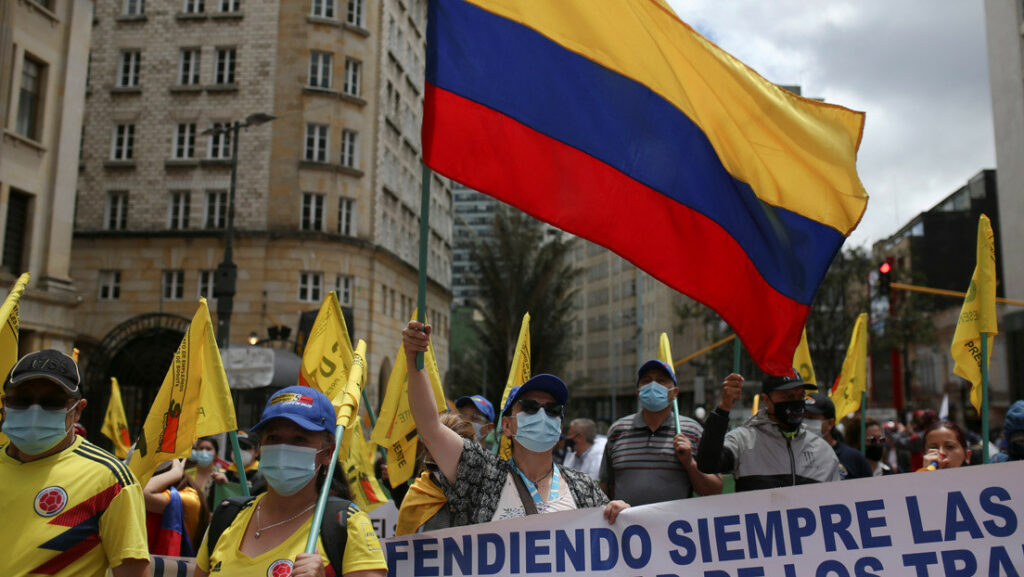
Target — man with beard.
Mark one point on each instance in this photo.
(772, 448)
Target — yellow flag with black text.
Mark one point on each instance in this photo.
(193, 401)
(328, 356)
(852, 381)
(518, 374)
(9, 333)
(978, 314)
(802, 361)
(396, 429)
(115, 424)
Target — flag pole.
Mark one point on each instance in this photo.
(737, 346)
(349, 410)
(237, 451)
(421, 294)
(984, 398)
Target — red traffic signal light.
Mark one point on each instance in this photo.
(885, 268)
(884, 277)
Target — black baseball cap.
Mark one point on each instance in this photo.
(784, 383)
(50, 365)
(820, 404)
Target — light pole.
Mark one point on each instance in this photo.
(225, 278)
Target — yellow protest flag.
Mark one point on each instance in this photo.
(802, 361)
(115, 424)
(665, 350)
(356, 462)
(852, 381)
(328, 356)
(978, 314)
(396, 429)
(518, 374)
(193, 401)
(9, 332)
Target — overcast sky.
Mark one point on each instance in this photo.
(918, 68)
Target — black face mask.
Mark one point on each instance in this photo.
(790, 413)
(874, 452)
(570, 444)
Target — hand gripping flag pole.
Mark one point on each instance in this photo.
(349, 410)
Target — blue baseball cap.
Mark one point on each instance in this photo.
(304, 406)
(482, 404)
(655, 364)
(544, 382)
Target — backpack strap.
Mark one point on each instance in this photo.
(334, 530)
(222, 518)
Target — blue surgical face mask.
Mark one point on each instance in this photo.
(538, 432)
(202, 457)
(653, 397)
(36, 430)
(288, 468)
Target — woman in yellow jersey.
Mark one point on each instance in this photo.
(268, 536)
(208, 467)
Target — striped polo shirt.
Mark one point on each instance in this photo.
(640, 465)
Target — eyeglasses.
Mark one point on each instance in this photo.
(531, 407)
(49, 404)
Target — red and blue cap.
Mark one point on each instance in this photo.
(482, 405)
(550, 384)
(304, 406)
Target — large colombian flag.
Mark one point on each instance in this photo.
(617, 122)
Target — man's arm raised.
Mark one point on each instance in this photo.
(444, 444)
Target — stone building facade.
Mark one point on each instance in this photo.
(327, 193)
(43, 60)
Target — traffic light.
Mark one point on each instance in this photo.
(884, 277)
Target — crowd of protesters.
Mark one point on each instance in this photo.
(190, 507)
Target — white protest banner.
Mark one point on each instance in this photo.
(384, 519)
(957, 522)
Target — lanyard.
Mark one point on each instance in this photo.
(552, 494)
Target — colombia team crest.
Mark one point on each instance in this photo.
(50, 501)
(280, 568)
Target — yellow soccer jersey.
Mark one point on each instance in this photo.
(362, 550)
(74, 513)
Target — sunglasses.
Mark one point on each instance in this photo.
(530, 407)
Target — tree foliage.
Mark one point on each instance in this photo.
(519, 269)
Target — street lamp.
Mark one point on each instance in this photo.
(225, 278)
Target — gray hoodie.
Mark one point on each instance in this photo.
(760, 456)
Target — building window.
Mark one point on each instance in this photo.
(179, 209)
(128, 68)
(349, 140)
(206, 284)
(343, 286)
(30, 105)
(174, 285)
(225, 73)
(110, 285)
(355, 12)
(188, 67)
(122, 145)
(229, 5)
(134, 7)
(312, 211)
(216, 209)
(353, 71)
(220, 141)
(16, 233)
(346, 216)
(323, 8)
(320, 69)
(184, 141)
(194, 6)
(316, 142)
(117, 210)
(310, 286)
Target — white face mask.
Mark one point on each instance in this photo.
(814, 427)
